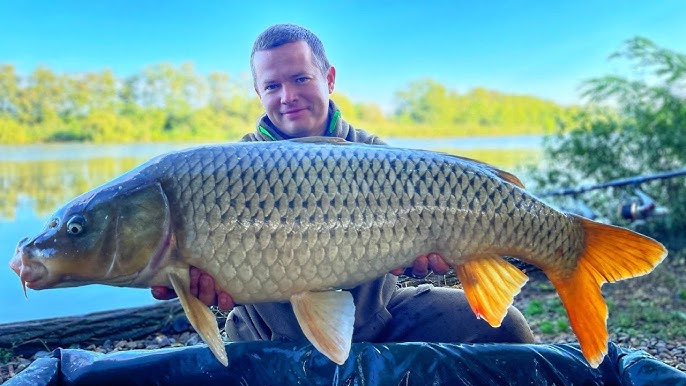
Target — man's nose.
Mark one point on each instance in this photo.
(288, 94)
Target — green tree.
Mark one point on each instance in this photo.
(478, 112)
(633, 125)
(425, 102)
(9, 91)
(165, 102)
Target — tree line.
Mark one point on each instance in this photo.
(164, 102)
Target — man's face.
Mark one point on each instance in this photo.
(292, 89)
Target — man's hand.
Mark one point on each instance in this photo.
(202, 287)
(424, 265)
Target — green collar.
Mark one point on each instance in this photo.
(330, 130)
(267, 133)
(334, 120)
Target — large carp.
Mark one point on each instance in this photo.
(300, 220)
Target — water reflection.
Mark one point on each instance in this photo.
(47, 184)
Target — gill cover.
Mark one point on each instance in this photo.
(140, 230)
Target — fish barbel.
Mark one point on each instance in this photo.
(303, 220)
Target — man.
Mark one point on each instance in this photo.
(294, 79)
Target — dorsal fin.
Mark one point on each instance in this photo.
(507, 176)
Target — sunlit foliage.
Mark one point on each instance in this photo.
(164, 102)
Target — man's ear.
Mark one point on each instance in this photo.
(331, 78)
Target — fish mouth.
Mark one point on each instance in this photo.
(16, 266)
(32, 274)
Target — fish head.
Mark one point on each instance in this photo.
(112, 235)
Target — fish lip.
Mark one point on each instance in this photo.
(32, 274)
(35, 275)
(16, 263)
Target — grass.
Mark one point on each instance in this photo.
(5, 355)
(548, 316)
(647, 317)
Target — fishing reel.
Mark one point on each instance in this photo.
(640, 207)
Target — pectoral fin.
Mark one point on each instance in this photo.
(201, 318)
(327, 319)
(490, 284)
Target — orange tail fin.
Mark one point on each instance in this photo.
(611, 254)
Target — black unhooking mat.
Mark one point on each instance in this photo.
(269, 363)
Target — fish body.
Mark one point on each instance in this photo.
(300, 220)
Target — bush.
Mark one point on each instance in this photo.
(632, 126)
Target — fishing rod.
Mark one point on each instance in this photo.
(615, 183)
(635, 208)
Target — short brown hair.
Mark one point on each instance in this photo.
(280, 34)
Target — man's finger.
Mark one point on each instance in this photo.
(437, 264)
(162, 293)
(195, 278)
(206, 290)
(398, 271)
(225, 302)
(420, 267)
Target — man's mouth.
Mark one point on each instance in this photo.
(293, 112)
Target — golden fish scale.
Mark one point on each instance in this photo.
(271, 219)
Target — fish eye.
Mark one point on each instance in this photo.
(75, 225)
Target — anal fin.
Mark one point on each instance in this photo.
(490, 284)
(201, 318)
(327, 319)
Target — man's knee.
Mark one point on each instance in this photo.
(515, 328)
(445, 316)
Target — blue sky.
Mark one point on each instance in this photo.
(526, 47)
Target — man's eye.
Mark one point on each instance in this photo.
(270, 87)
(302, 79)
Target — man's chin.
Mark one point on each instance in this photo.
(298, 131)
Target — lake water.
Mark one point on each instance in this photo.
(37, 179)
